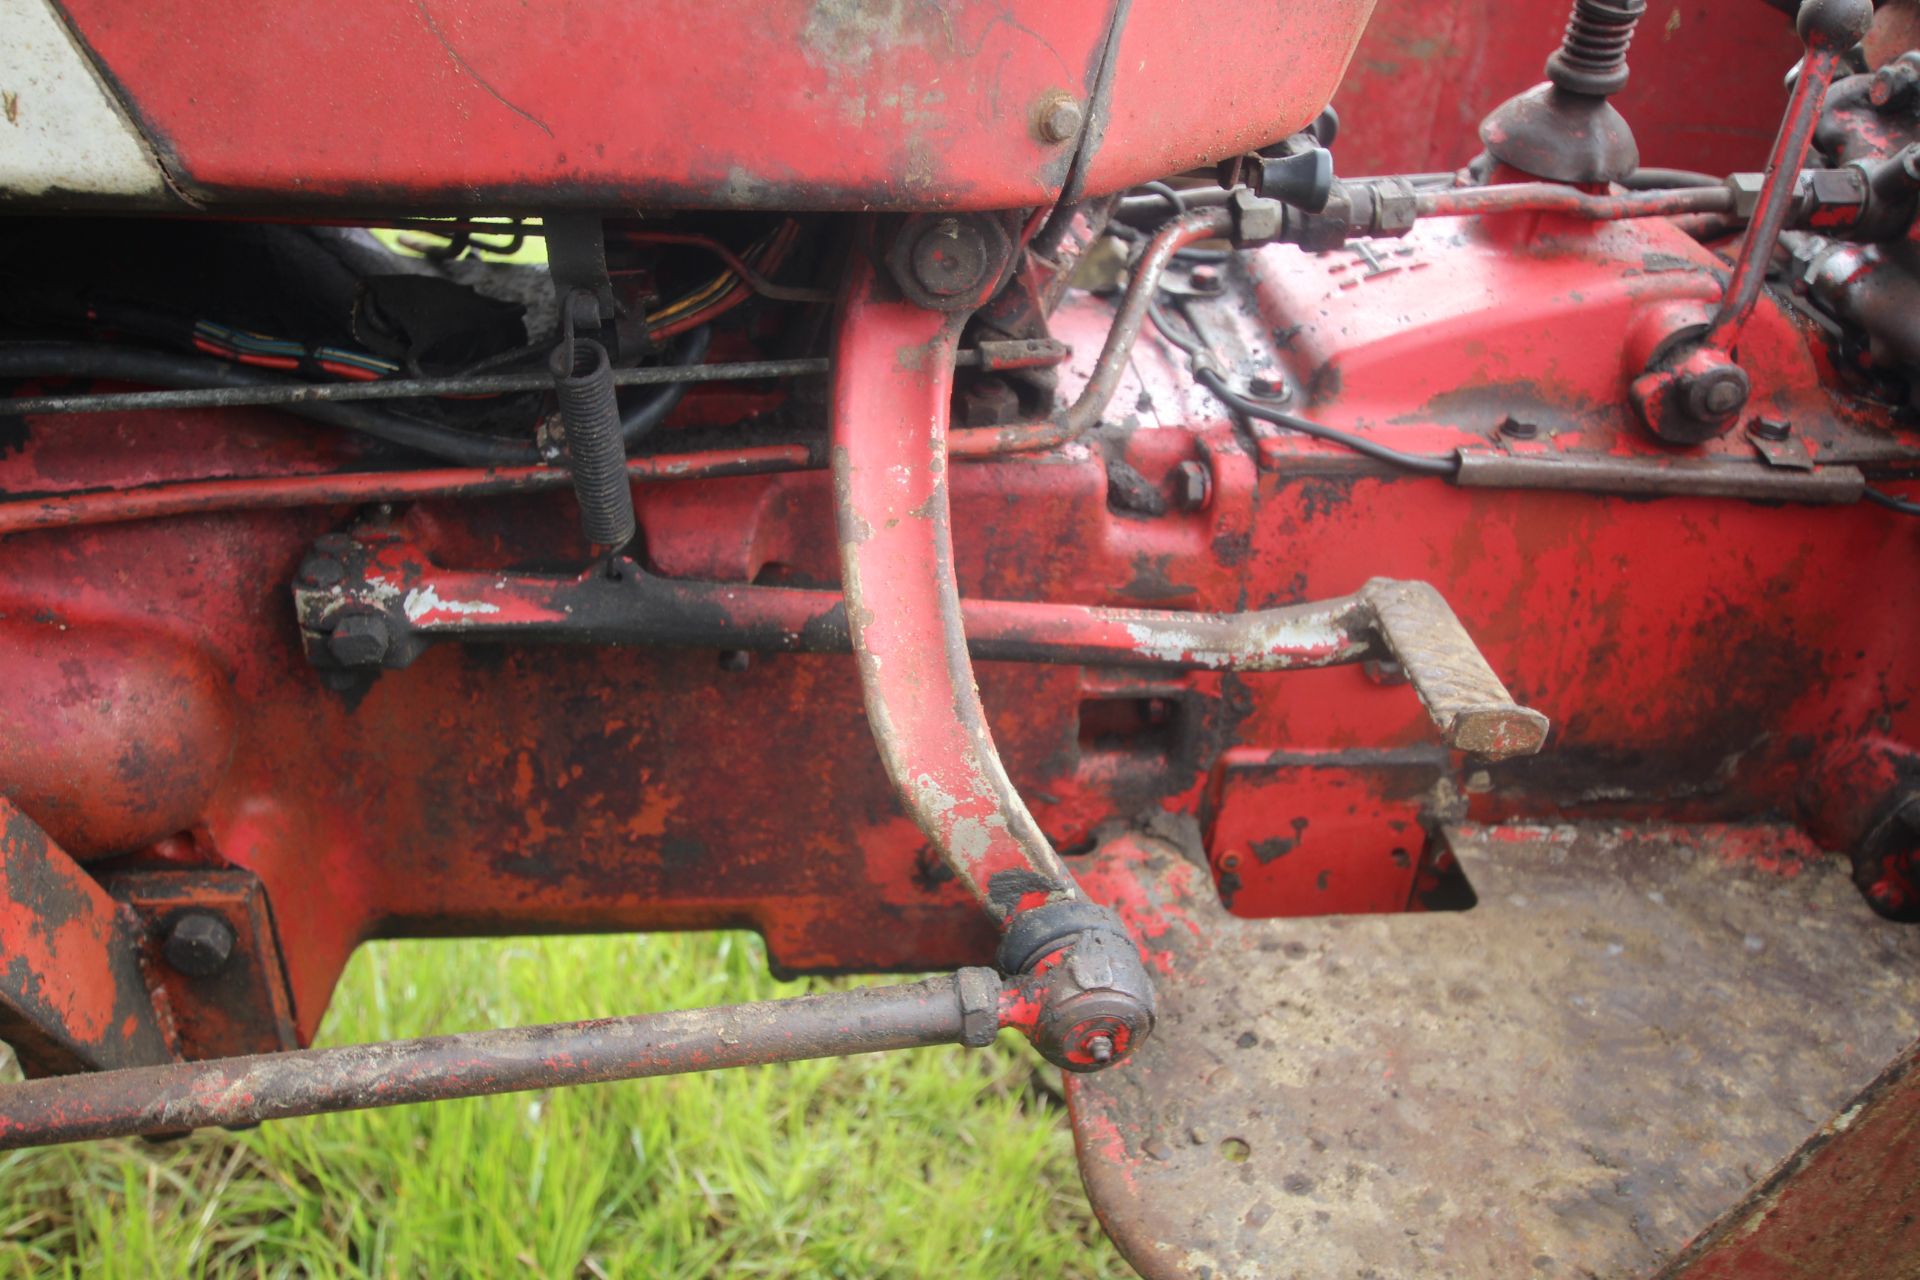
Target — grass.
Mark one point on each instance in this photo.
(943, 1163)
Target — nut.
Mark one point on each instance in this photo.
(949, 258)
(1256, 220)
(1192, 486)
(1059, 118)
(948, 262)
(360, 640)
(199, 944)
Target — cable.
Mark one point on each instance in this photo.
(127, 364)
(1905, 506)
(1169, 331)
(636, 421)
(1213, 382)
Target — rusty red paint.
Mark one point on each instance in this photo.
(71, 991)
(812, 106)
(1842, 1205)
(892, 386)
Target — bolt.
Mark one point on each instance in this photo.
(1231, 862)
(1059, 118)
(1204, 280)
(1267, 388)
(1100, 1048)
(950, 258)
(199, 944)
(360, 640)
(319, 570)
(1775, 429)
(1517, 429)
(1715, 393)
(735, 659)
(1192, 486)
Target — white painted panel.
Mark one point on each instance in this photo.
(60, 130)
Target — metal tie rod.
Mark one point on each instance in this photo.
(957, 1008)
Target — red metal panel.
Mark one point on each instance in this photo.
(1705, 91)
(799, 104)
(1320, 834)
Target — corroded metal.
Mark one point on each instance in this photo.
(417, 603)
(231, 1091)
(72, 995)
(892, 384)
(1571, 1078)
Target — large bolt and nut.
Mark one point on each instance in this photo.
(1059, 118)
(360, 640)
(947, 262)
(950, 258)
(199, 944)
(1715, 394)
(1192, 486)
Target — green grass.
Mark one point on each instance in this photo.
(941, 1162)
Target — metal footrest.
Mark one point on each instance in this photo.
(1574, 1077)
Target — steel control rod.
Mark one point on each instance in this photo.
(959, 1008)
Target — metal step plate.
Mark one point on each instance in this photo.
(1571, 1079)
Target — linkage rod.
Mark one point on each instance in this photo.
(951, 1009)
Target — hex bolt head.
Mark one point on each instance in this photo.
(735, 660)
(1774, 429)
(1192, 486)
(199, 944)
(1100, 1048)
(950, 258)
(360, 640)
(322, 571)
(1059, 118)
(1715, 394)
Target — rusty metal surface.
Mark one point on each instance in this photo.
(71, 992)
(892, 386)
(1842, 1205)
(241, 1005)
(191, 1095)
(1570, 1079)
(389, 583)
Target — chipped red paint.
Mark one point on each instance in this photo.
(892, 389)
(71, 991)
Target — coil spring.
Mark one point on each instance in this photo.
(590, 415)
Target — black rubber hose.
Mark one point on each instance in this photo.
(583, 383)
(1893, 502)
(158, 368)
(650, 411)
(1307, 427)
